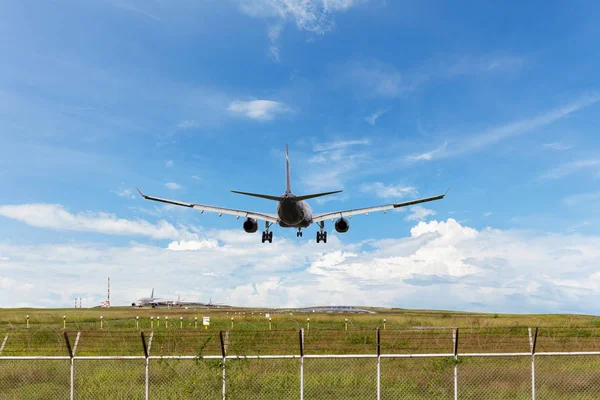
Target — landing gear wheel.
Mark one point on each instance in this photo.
(322, 234)
(267, 236)
(322, 237)
(299, 233)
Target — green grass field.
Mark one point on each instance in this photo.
(180, 331)
(406, 332)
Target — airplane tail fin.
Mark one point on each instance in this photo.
(288, 186)
(152, 295)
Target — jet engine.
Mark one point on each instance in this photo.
(342, 225)
(250, 225)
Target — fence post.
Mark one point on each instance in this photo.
(532, 342)
(72, 368)
(455, 340)
(301, 337)
(378, 365)
(224, 354)
(146, 354)
(4, 342)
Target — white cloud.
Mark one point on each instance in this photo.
(497, 134)
(315, 16)
(12, 285)
(196, 178)
(54, 216)
(125, 192)
(187, 124)
(576, 227)
(172, 186)
(343, 159)
(339, 144)
(472, 65)
(558, 146)
(427, 155)
(264, 110)
(487, 214)
(274, 34)
(388, 191)
(586, 199)
(129, 6)
(372, 119)
(191, 245)
(419, 213)
(440, 265)
(373, 78)
(572, 167)
(169, 164)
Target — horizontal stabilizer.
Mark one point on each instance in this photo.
(262, 196)
(312, 196)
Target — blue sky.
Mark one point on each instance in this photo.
(388, 101)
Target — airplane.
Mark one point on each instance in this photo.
(147, 301)
(181, 303)
(292, 211)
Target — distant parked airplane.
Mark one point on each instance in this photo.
(293, 211)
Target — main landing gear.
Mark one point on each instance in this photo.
(299, 233)
(266, 235)
(322, 234)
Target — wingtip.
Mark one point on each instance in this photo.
(140, 192)
(447, 190)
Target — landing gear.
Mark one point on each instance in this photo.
(266, 235)
(322, 237)
(322, 234)
(299, 233)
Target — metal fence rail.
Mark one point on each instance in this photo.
(378, 375)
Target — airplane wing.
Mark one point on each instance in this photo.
(239, 213)
(367, 210)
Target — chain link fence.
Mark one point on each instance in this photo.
(507, 363)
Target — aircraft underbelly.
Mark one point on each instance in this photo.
(291, 215)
